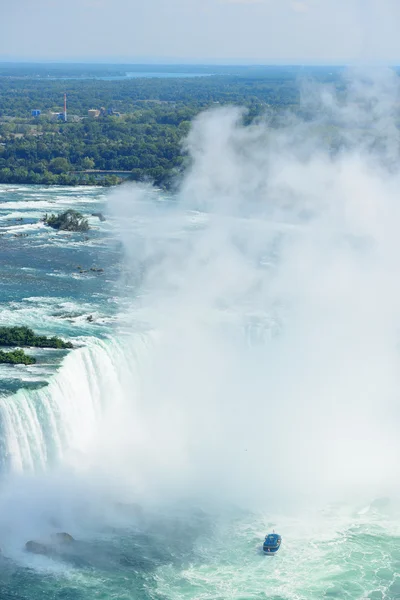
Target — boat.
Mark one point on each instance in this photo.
(272, 543)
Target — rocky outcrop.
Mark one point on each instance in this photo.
(37, 548)
(70, 220)
(51, 546)
(62, 538)
(99, 215)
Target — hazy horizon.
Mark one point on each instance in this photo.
(181, 62)
(206, 31)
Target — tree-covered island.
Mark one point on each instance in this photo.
(16, 357)
(25, 337)
(70, 220)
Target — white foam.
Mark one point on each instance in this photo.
(23, 228)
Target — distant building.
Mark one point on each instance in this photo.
(57, 116)
(93, 113)
(36, 112)
(111, 112)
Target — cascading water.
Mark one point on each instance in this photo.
(41, 428)
(252, 376)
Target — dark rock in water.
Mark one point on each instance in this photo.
(49, 548)
(96, 270)
(90, 318)
(37, 548)
(100, 215)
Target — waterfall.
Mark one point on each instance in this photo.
(41, 428)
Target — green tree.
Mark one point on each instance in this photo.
(59, 165)
(87, 163)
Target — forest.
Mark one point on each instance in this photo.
(142, 122)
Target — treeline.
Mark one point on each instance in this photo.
(20, 96)
(144, 143)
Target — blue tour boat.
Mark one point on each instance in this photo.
(272, 543)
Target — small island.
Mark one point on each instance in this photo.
(16, 357)
(70, 220)
(23, 336)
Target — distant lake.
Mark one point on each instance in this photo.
(137, 75)
(166, 75)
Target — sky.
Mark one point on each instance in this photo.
(224, 31)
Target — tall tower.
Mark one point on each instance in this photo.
(65, 108)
